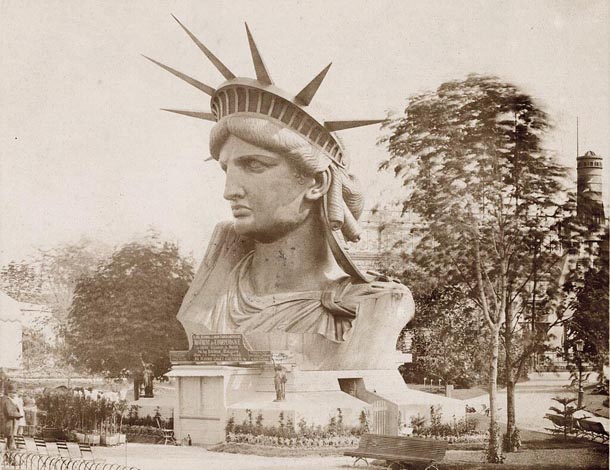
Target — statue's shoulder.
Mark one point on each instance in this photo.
(345, 295)
(381, 284)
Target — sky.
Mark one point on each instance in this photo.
(86, 152)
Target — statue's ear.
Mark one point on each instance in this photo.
(318, 185)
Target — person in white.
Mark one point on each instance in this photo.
(20, 424)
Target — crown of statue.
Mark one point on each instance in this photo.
(260, 96)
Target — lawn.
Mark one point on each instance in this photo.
(459, 393)
(594, 403)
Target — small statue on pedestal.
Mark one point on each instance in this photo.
(147, 379)
(280, 380)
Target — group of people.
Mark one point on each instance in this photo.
(12, 415)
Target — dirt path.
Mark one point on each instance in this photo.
(159, 457)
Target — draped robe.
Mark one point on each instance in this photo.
(339, 321)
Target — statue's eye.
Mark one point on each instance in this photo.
(254, 164)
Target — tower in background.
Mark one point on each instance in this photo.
(590, 205)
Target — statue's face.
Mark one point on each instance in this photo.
(264, 189)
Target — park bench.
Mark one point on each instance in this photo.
(593, 429)
(399, 451)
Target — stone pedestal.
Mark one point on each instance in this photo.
(208, 395)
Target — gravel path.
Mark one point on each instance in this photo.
(159, 457)
(533, 400)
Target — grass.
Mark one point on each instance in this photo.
(594, 403)
(264, 451)
(459, 393)
(524, 466)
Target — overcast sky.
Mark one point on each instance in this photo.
(85, 150)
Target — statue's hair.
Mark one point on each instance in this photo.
(270, 136)
(344, 198)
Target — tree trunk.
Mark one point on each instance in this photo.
(493, 450)
(507, 443)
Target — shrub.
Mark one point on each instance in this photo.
(454, 432)
(334, 434)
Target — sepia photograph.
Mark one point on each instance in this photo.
(304, 234)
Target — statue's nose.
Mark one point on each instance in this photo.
(233, 187)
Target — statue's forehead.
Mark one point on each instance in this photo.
(234, 147)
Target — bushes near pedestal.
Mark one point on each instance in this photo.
(460, 430)
(286, 434)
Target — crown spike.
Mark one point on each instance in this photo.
(215, 61)
(191, 81)
(341, 125)
(259, 66)
(305, 96)
(193, 114)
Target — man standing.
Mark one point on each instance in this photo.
(20, 423)
(10, 415)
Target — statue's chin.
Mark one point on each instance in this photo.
(246, 230)
(264, 234)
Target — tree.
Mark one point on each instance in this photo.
(471, 158)
(37, 351)
(61, 267)
(126, 311)
(446, 338)
(49, 278)
(20, 280)
(589, 321)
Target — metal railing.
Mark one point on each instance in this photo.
(23, 460)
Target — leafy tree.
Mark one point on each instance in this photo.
(446, 338)
(49, 278)
(471, 158)
(37, 352)
(126, 311)
(61, 267)
(589, 321)
(21, 281)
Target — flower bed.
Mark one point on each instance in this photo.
(142, 434)
(464, 430)
(285, 434)
(297, 442)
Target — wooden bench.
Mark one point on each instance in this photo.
(399, 451)
(593, 429)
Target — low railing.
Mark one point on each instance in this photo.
(33, 461)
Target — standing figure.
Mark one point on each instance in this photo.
(20, 424)
(10, 415)
(280, 380)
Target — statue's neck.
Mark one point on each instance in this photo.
(300, 261)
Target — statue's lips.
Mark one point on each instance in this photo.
(240, 211)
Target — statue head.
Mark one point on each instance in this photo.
(275, 179)
(283, 164)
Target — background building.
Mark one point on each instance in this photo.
(382, 231)
(590, 205)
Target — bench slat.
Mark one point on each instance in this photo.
(399, 448)
(388, 456)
